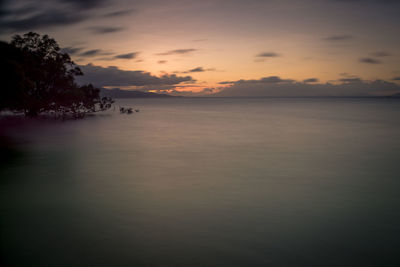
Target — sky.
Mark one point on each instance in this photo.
(223, 47)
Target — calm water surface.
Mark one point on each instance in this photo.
(207, 182)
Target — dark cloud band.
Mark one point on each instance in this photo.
(113, 76)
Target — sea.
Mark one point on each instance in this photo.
(205, 182)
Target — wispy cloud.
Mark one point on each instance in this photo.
(310, 80)
(177, 52)
(45, 16)
(197, 69)
(338, 38)
(268, 54)
(91, 53)
(369, 60)
(94, 52)
(42, 20)
(127, 56)
(87, 4)
(71, 50)
(119, 13)
(381, 54)
(105, 29)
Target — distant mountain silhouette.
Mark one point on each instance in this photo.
(118, 93)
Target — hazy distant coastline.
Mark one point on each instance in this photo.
(118, 93)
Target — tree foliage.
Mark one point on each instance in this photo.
(38, 77)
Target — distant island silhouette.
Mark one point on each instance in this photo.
(119, 93)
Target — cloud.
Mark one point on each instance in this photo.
(310, 80)
(268, 54)
(177, 52)
(197, 69)
(71, 50)
(119, 13)
(113, 76)
(127, 56)
(46, 14)
(86, 4)
(162, 61)
(227, 82)
(27, 9)
(105, 29)
(208, 90)
(348, 77)
(91, 53)
(396, 78)
(369, 60)
(350, 80)
(338, 38)
(381, 54)
(265, 87)
(98, 52)
(267, 80)
(42, 20)
(275, 79)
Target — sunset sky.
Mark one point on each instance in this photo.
(254, 47)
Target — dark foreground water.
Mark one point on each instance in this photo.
(206, 182)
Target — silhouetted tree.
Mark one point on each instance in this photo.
(39, 77)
